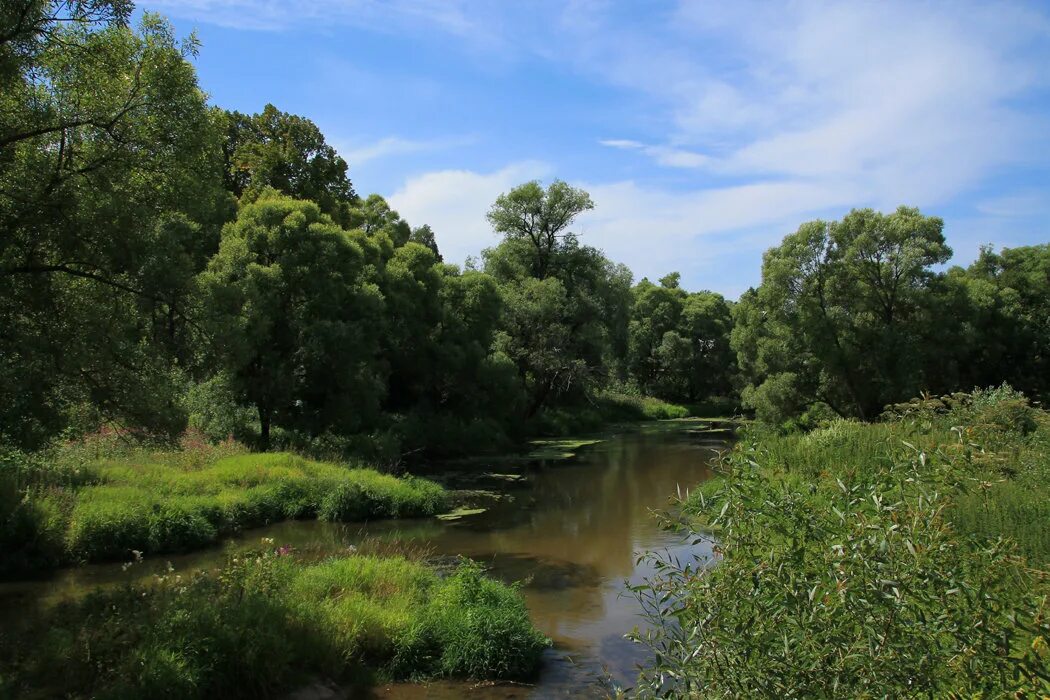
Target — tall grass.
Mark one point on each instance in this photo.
(998, 443)
(905, 558)
(102, 509)
(266, 622)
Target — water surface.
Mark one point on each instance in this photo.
(572, 532)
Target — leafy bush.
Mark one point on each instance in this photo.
(855, 587)
(472, 627)
(869, 559)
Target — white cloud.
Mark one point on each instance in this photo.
(359, 154)
(906, 102)
(454, 203)
(651, 230)
(663, 155)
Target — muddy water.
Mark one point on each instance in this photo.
(572, 532)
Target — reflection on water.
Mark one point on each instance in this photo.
(572, 534)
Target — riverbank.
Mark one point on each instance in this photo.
(570, 530)
(270, 621)
(903, 557)
(104, 500)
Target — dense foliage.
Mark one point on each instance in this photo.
(852, 315)
(868, 561)
(165, 263)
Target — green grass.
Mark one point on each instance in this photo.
(266, 623)
(998, 446)
(617, 406)
(164, 502)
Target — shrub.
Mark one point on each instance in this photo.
(855, 585)
(472, 627)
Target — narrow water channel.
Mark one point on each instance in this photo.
(570, 531)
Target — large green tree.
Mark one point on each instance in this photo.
(286, 152)
(108, 173)
(297, 314)
(565, 304)
(841, 315)
(679, 342)
(540, 218)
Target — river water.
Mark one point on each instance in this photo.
(571, 531)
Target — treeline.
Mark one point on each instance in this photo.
(854, 315)
(166, 263)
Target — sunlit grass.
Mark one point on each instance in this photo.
(266, 622)
(152, 502)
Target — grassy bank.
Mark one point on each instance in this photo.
(83, 504)
(903, 558)
(266, 623)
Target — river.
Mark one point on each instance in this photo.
(571, 531)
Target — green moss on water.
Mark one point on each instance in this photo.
(558, 449)
(460, 513)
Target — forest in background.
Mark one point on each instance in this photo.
(166, 264)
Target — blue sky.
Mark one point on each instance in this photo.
(704, 132)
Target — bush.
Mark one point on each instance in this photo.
(848, 587)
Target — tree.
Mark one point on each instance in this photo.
(374, 216)
(679, 342)
(424, 235)
(541, 217)
(275, 149)
(1000, 308)
(565, 304)
(655, 312)
(298, 312)
(840, 315)
(105, 142)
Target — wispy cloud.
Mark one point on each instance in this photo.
(360, 153)
(911, 102)
(663, 155)
(272, 15)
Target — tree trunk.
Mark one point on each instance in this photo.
(264, 428)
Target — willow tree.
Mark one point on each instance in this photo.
(297, 317)
(840, 315)
(108, 173)
(565, 304)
